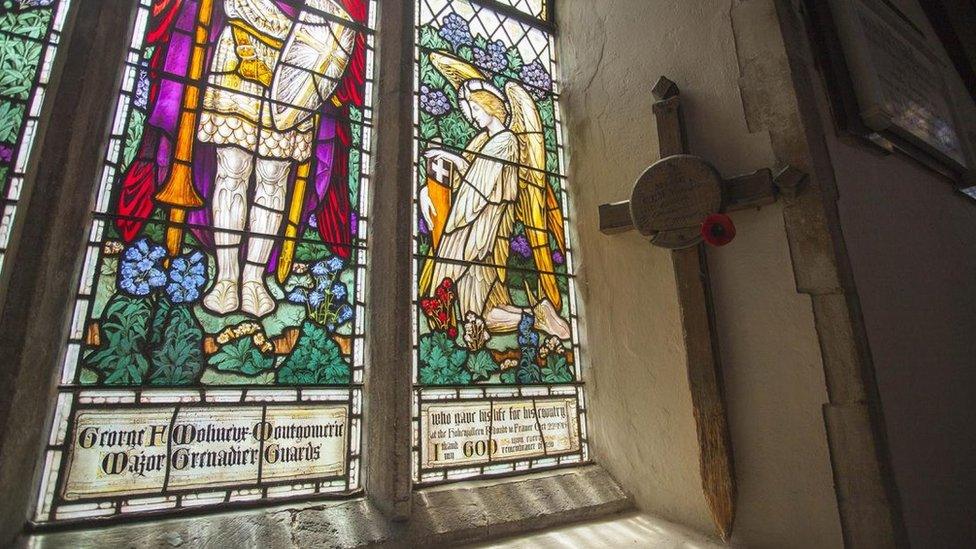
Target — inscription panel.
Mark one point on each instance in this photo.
(473, 433)
(897, 78)
(129, 452)
(672, 197)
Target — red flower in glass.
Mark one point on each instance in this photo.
(439, 309)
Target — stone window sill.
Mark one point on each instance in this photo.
(461, 512)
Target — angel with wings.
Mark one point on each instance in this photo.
(497, 180)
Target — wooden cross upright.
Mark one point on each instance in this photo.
(669, 202)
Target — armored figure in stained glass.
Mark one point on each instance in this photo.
(226, 216)
(262, 123)
(261, 145)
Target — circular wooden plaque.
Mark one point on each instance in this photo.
(672, 197)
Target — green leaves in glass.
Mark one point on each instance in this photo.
(241, 356)
(442, 361)
(315, 360)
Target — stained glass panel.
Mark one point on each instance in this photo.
(535, 8)
(216, 347)
(496, 370)
(30, 31)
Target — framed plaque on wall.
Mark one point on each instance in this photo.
(887, 84)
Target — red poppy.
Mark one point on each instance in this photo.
(439, 309)
(718, 229)
(429, 305)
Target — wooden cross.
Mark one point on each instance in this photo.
(668, 204)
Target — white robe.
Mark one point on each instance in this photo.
(480, 223)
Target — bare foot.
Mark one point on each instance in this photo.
(222, 298)
(256, 299)
(547, 320)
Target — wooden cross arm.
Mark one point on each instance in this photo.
(741, 192)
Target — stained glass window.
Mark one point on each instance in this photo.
(535, 8)
(216, 349)
(30, 31)
(496, 369)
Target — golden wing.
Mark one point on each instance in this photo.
(456, 71)
(536, 206)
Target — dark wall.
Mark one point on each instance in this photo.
(912, 244)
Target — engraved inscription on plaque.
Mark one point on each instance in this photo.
(126, 452)
(672, 197)
(481, 432)
(898, 79)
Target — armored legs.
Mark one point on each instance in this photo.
(263, 216)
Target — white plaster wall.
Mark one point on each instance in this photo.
(912, 244)
(641, 422)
